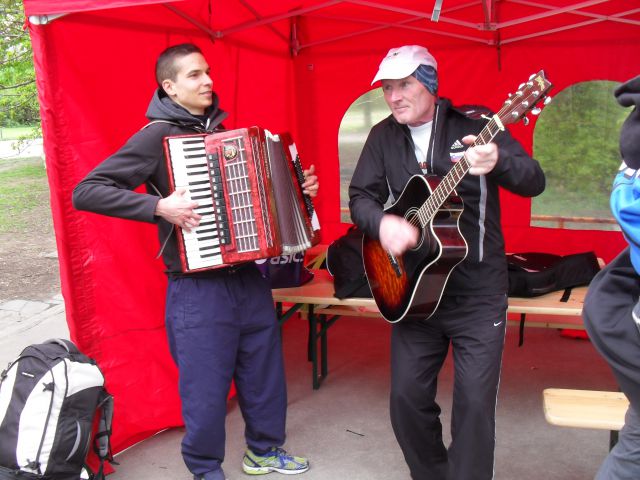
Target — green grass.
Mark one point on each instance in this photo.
(22, 189)
(14, 133)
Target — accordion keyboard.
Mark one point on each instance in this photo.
(191, 168)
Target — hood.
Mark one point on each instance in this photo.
(162, 107)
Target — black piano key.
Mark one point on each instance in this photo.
(210, 237)
(199, 197)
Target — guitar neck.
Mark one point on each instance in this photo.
(447, 185)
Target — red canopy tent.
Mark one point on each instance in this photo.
(287, 66)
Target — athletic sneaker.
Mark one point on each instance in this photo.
(276, 460)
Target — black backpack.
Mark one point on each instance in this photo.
(344, 263)
(49, 397)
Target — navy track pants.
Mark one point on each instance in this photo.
(222, 328)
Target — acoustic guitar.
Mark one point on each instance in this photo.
(410, 286)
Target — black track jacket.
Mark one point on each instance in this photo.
(388, 161)
(108, 189)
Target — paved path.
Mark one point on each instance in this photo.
(32, 148)
(23, 322)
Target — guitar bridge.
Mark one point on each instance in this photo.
(395, 265)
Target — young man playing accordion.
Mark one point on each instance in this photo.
(221, 323)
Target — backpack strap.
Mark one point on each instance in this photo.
(68, 345)
(566, 295)
(102, 439)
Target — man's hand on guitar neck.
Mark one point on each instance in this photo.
(397, 235)
(482, 158)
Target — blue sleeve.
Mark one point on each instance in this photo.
(625, 205)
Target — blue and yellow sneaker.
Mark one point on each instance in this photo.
(275, 460)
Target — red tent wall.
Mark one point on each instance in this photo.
(94, 73)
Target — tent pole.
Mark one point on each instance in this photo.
(487, 9)
(255, 13)
(294, 42)
(497, 38)
(212, 34)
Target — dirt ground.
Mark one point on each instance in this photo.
(28, 259)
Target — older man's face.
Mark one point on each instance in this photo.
(410, 102)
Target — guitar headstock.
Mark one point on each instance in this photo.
(529, 94)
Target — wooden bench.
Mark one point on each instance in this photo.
(322, 309)
(586, 409)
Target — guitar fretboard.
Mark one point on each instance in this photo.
(440, 194)
(512, 110)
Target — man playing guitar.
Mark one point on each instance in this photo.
(424, 135)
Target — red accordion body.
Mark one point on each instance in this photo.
(247, 182)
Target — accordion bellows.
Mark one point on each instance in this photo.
(248, 185)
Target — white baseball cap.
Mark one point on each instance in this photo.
(403, 61)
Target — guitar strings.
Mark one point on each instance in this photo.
(426, 212)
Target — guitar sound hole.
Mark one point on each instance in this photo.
(412, 218)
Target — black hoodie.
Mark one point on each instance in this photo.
(108, 188)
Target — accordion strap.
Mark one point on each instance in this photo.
(160, 121)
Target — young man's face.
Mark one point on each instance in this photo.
(410, 102)
(192, 87)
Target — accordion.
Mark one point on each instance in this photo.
(248, 186)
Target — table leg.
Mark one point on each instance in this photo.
(324, 329)
(313, 348)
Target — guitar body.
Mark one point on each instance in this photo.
(412, 288)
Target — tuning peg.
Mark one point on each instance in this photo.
(525, 120)
(533, 75)
(547, 100)
(536, 111)
(520, 86)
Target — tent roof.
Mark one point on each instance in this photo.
(483, 22)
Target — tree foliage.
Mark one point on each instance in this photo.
(18, 97)
(576, 141)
